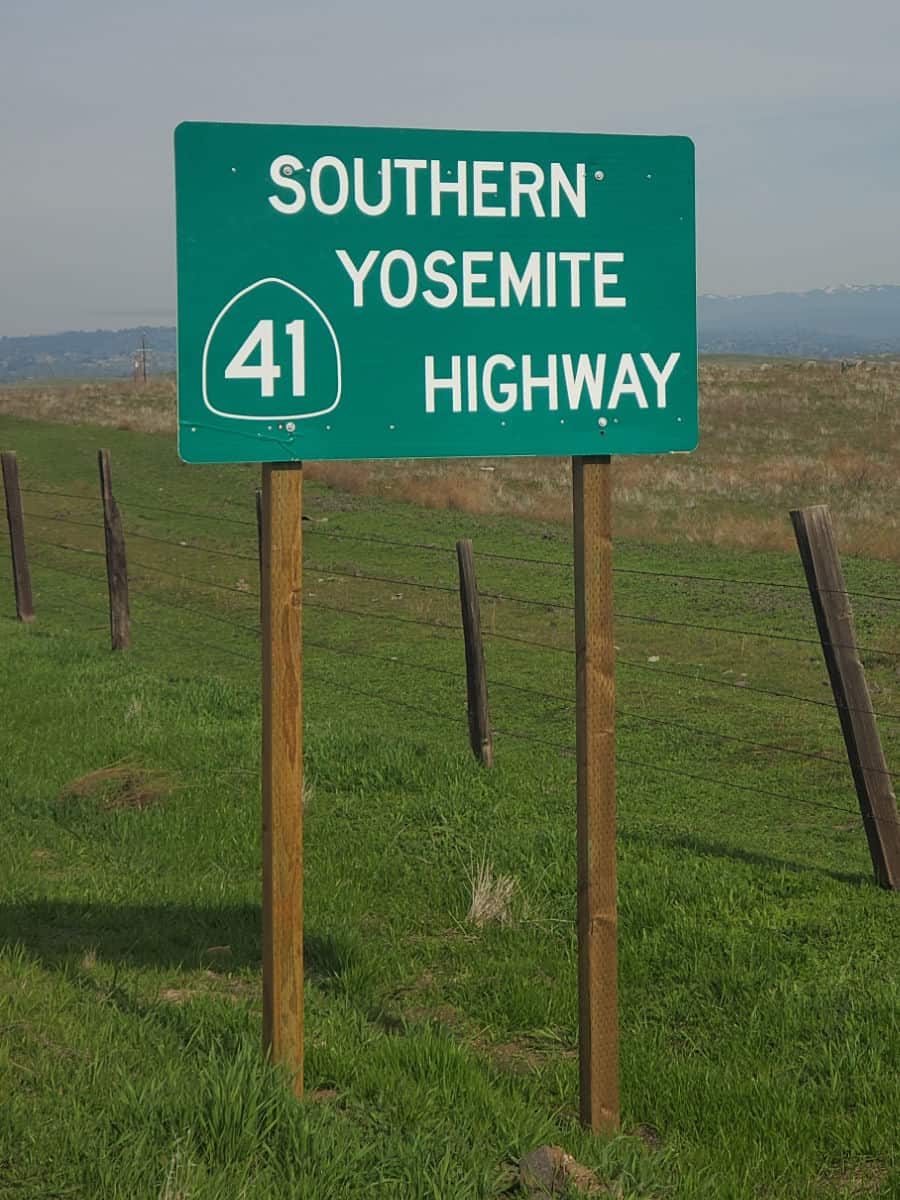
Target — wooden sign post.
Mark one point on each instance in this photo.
(282, 766)
(595, 697)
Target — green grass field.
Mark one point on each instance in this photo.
(759, 963)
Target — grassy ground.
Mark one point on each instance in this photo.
(760, 1033)
(774, 435)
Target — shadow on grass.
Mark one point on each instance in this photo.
(59, 933)
(715, 849)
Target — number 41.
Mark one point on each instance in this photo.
(267, 370)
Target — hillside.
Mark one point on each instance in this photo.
(79, 354)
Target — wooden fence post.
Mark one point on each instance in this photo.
(116, 566)
(834, 617)
(595, 736)
(480, 736)
(16, 522)
(282, 766)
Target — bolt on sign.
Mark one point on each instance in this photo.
(401, 293)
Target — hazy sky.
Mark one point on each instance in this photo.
(794, 106)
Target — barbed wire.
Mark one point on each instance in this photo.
(767, 583)
(409, 583)
(199, 614)
(497, 596)
(395, 702)
(523, 641)
(374, 616)
(730, 737)
(34, 491)
(642, 718)
(126, 498)
(54, 602)
(53, 519)
(142, 566)
(568, 702)
(493, 634)
(146, 537)
(757, 633)
(225, 587)
(375, 540)
(385, 658)
(191, 640)
(215, 551)
(747, 687)
(657, 670)
(180, 512)
(391, 700)
(567, 564)
(619, 616)
(39, 562)
(89, 550)
(452, 629)
(457, 675)
(658, 768)
(211, 583)
(757, 791)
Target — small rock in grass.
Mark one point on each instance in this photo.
(549, 1171)
(649, 1135)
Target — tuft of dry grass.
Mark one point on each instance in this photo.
(491, 896)
(122, 785)
(861, 1179)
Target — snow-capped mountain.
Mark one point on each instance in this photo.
(830, 322)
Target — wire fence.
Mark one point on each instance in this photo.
(702, 659)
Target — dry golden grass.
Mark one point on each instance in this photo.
(491, 895)
(773, 436)
(147, 408)
(122, 785)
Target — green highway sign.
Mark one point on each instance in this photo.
(403, 293)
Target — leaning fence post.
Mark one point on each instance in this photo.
(116, 567)
(480, 736)
(834, 617)
(16, 522)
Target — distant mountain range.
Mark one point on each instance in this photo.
(848, 321)
(833, 322)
